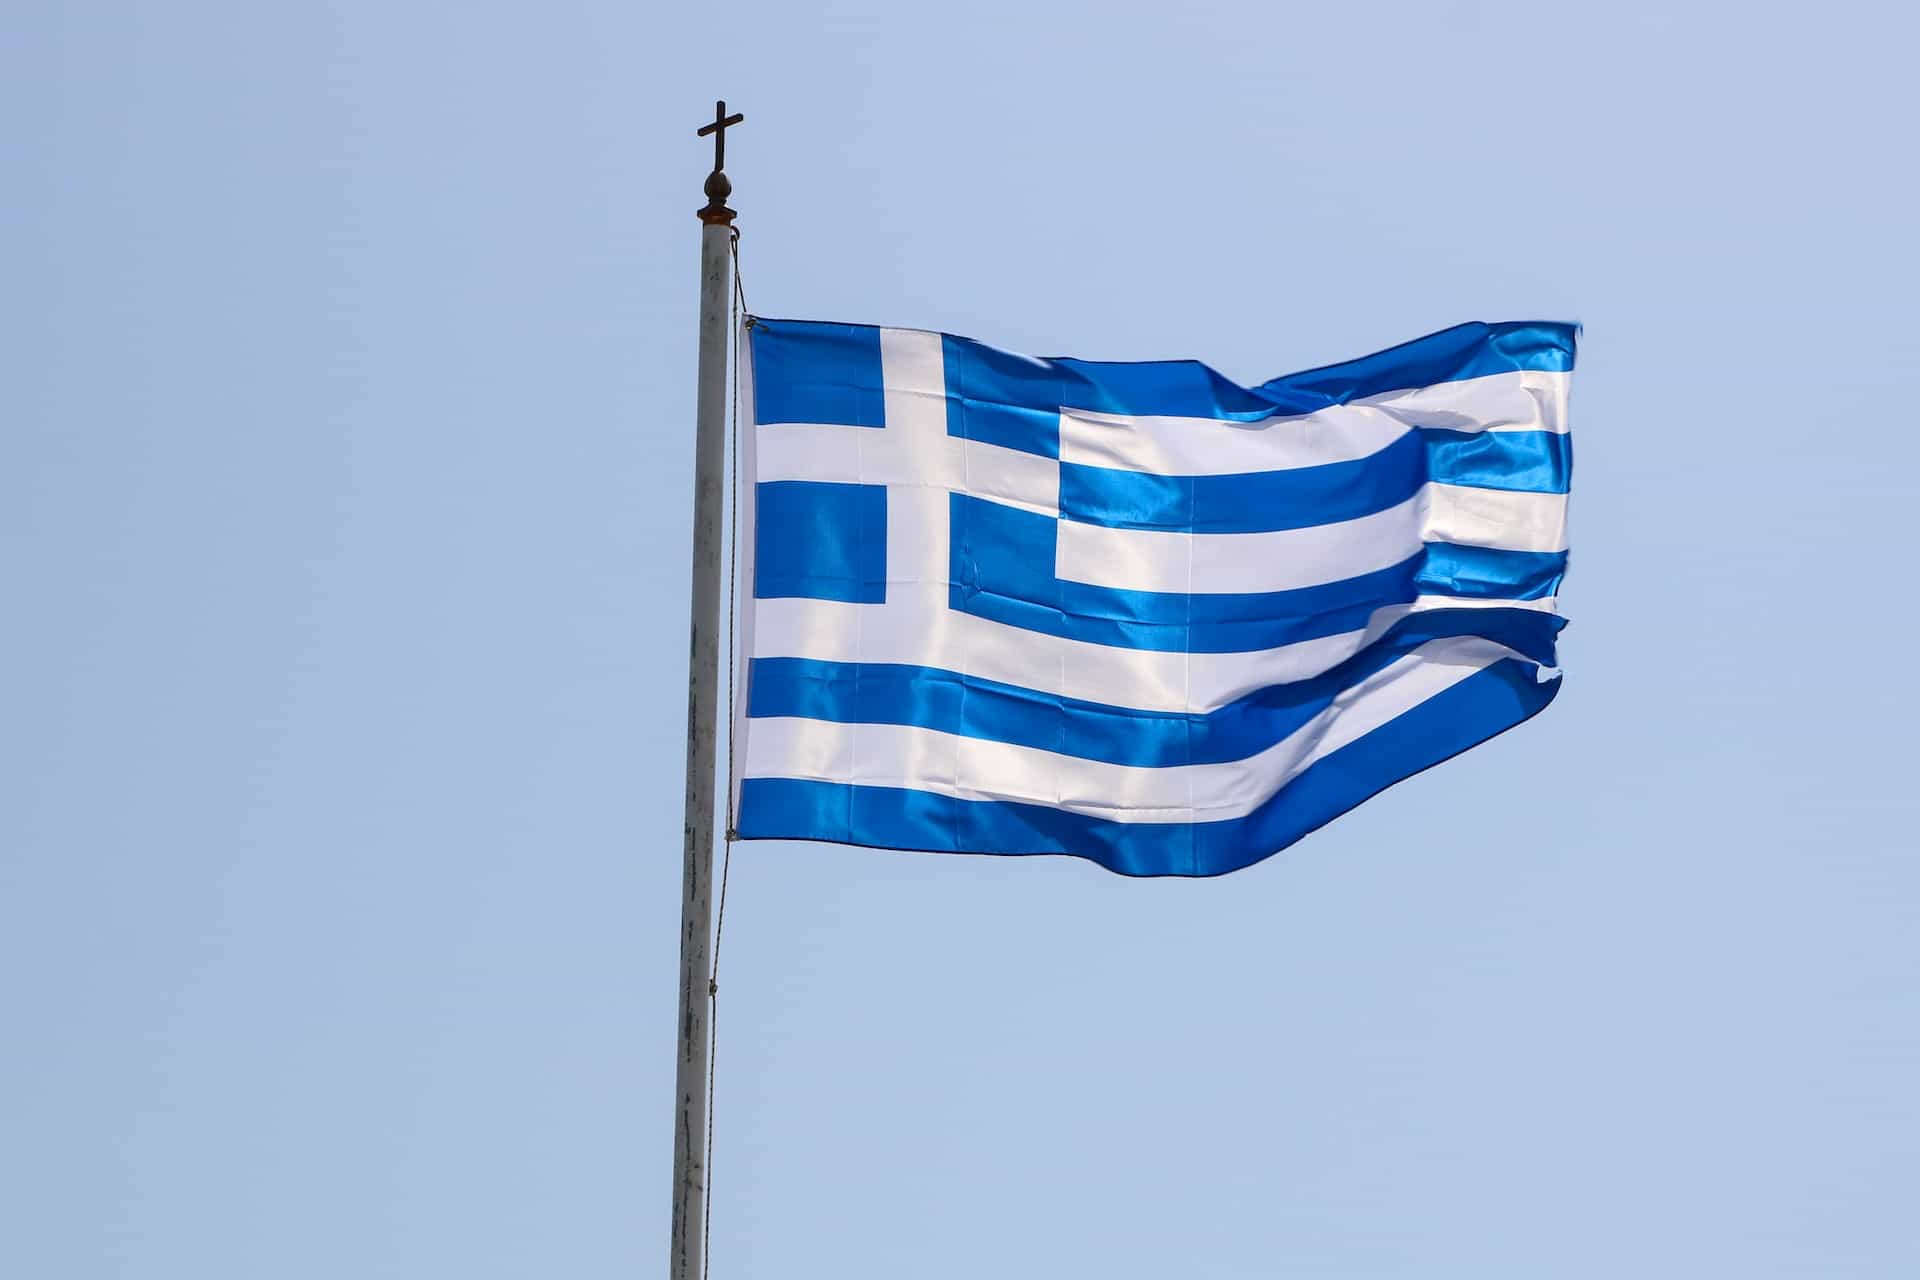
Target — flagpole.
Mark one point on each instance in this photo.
(703, 689)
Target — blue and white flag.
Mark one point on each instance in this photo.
(1134, 612)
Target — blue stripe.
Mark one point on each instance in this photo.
(1483, 573)
(973, 707)
(803, 369)
(1473, 350)
(1517, 461)
(1250, 502)
(1003, 562)
(1302, 497)
(1190, 389)
(1478, 708)
(997, 397)
(1158, 388)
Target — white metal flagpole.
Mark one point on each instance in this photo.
(703, 693)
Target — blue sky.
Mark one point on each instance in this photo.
(344, 525)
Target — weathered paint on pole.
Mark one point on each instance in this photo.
(703, 702)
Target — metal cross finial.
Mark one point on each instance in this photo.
(718, 188)
(721, 123)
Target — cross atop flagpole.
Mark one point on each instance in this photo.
(703, 688)
(718, 188)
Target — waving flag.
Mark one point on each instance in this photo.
(1135, 612)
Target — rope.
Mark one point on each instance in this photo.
(713, 1060)
(726, 858)
(739, 289)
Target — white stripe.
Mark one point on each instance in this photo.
(976, 769)
(1474, 517)
(1205, 563)
(1529, 400)
(917, 629)
(1428, 603)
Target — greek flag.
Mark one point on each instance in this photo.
(1134, 612)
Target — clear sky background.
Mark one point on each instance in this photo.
(345, 457)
